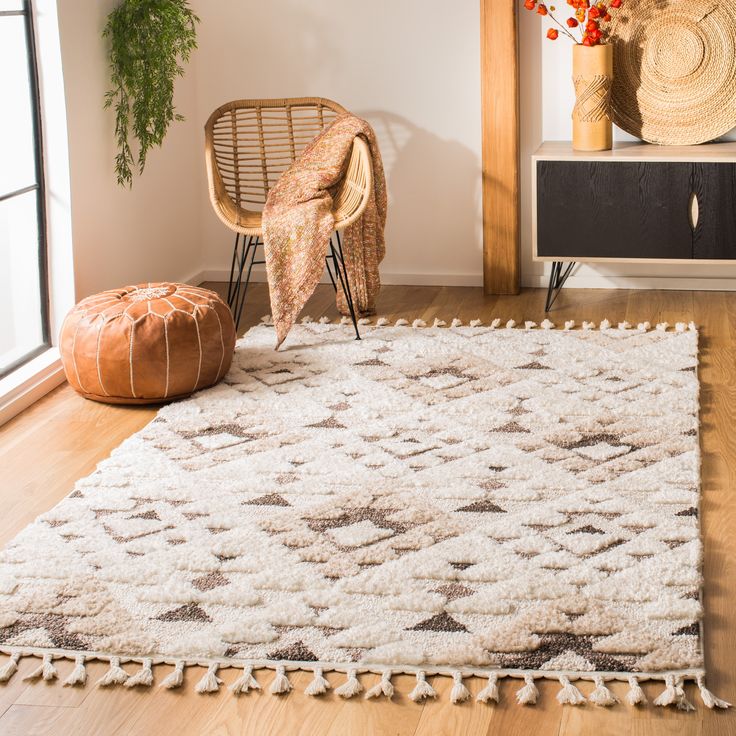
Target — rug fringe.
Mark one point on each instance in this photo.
(635, 696)
(528, 694)
(78, 675)
(246, 682)
(350, 687)
(319, 684)
(601, 695)
(546, 324)
(142, 678)
(384, 687)
(673, 693)
(569, 694)
(210, 682)
(422, 690)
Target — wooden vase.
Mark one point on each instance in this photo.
(592, 75)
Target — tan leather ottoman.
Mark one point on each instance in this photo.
(148, 343)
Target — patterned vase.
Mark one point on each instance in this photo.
(592, 75)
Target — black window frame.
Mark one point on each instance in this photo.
(39, 186)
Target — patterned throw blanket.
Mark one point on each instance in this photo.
(298, 223)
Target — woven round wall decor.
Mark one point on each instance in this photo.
(674, 70)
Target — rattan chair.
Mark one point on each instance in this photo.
(249, 144)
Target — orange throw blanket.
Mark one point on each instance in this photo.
(298, 223)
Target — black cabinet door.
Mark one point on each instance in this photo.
(715, 233)
(601, 209)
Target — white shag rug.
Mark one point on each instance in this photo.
(488, 500)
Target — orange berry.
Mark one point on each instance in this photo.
(572, 23)
(552, 34)
(542, 9)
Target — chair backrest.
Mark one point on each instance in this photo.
(252, 142)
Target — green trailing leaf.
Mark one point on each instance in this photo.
(149, 41)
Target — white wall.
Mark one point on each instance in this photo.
(147, 234)
(411, 68)
(547, 102)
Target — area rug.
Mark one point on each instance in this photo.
(498, 501)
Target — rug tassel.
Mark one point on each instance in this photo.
(490, 691)
(383, 687)
(547, 325)
(175, 678)
(417, 323)
(635, 696)
(588, 325)
(511, 324)
(422, 689)
(605, 325)
(680, 327)
(144, 676)
(623, 326)
(495, 324)
(569, 325)
(116, 675)
(280, 684)
(210, 682)
(439, 323)
(364, 321)
(324, 320)
(529, 325)
(662, 326)
(9, 668)
(644, 326)
(401, 322)
(601, 695)
(345, 320)
(456, 323)
(307, 320)
(459, 692)
(673, 694)
(528, 694)
(382, 322)
(569, 694)
(350, 687)
(266, 319)
(710, 700)
(45, 671)
(476, 322)
(78, 676)
(319, 685)
(246, 682)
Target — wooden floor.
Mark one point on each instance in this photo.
(61, 438)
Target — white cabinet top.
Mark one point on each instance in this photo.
(724, 152)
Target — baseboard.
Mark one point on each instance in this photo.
(387, 277)
(587, 281)
(29, 383)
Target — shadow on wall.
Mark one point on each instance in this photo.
(433, 186)
(434, 183)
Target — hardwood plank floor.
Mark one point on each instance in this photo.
(62, 437)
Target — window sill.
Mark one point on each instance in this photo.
(29, 383)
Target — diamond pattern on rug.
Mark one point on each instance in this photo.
(508, 498)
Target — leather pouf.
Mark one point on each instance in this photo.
(148, 343)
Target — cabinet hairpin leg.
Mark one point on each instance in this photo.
(556, 281)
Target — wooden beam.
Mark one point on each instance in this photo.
(500, 113)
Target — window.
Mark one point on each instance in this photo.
(24, 311)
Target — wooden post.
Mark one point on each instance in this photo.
(500, 113)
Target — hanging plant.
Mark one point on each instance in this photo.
(149, 41)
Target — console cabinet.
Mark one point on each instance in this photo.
(637, 202)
